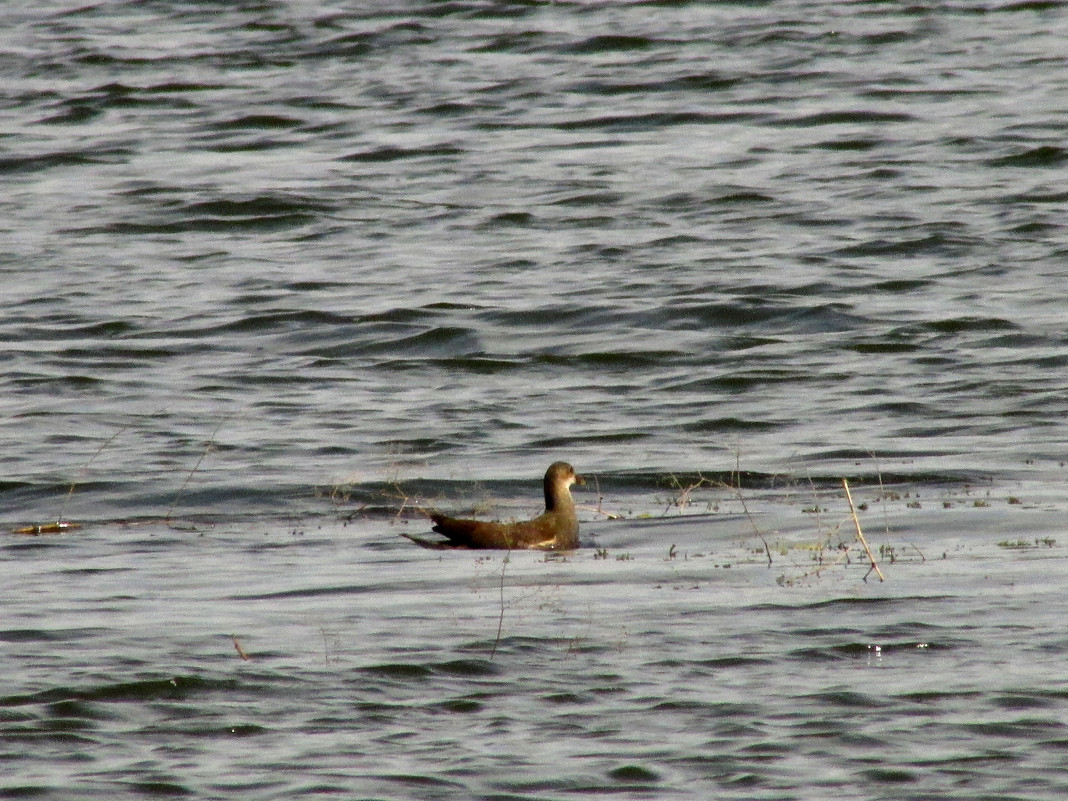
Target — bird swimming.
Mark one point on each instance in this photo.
(555, 529)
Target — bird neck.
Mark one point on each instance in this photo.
(557, 497)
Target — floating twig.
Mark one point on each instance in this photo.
(47, 528)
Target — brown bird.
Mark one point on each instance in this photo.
(555, 529)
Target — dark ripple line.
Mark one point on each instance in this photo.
(284, 320)
(206, 225)
(609, 43)
(858, 117)
(847, 603)
(935, 243)
(267, 122)
(48, 635)
(648, 121)
(174, 688)
(389, 153)
(46, 161)
(1044, 156)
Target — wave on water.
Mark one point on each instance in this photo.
(294, 249)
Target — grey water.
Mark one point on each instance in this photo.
(274, 275)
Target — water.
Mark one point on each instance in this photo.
(272, 275)
(379, 670)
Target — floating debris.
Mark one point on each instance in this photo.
(47, 528)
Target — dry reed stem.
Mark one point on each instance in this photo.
(860, 534)
(736, 487)
(403, 497)
(47, 528)
(500, 618)
(239, 649)
(882, 496)
(597, 510)
(61, 525)
(682, 500)
(600, 500)
(207, 447)
(85, 468)
(816, 507)
(816, 571)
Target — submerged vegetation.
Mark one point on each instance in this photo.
(1038, 542)
(834, 544)
(803, 530)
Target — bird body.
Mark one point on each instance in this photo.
(555, 529)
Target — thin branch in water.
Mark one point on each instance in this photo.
(82, 472)
(737, 482)
(882, 495)
(860, 534)
(403, 497)
(500, 618)
(599, 509)
(181, 490)
(326, 635)
(682, 500)
(47, 528)
(239, 649)
(816, 508)
(842, 557)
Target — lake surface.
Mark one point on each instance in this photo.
(275, 275)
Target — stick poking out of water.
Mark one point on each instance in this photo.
(196, 467)
(82, 472)
(500, 620)
(240, 651)
(860, 534)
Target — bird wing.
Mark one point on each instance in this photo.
(485, 534)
